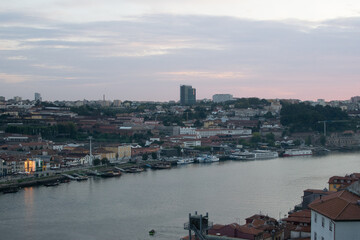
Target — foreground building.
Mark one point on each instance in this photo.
(336, 216)
(337, 183)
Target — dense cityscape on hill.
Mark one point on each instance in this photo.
(224, 124)
(44, 142)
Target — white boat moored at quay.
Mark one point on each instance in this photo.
(207, 159)
(185, 161)
(297, 152)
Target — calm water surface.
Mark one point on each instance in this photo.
(129, 206)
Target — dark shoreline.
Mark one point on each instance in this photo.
(57, 177)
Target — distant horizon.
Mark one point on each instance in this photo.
(145, 50)
(177, 100)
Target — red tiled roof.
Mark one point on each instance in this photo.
(297, 219)
(260, 216)
(319, 191)
(337, 179)
(339, 206)
(356, 175)
(217, 226)
(258, 222)
(248, 229)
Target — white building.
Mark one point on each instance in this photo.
(187, 131)
(249, 112)
(205, 133)
(217, 98)
(2, 168)
(336, 216)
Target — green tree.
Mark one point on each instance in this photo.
(308, 140)
(256, 138)
(96, 162)
(145, 156)
(105, 161)
(154, 155)
(323, 140)
(304, 117)
(268, 115)
(270, 137)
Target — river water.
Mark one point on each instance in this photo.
(129, 206)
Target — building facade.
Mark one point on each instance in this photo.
(37, 97)
(187, 95)
(336, 216)
(217, 98)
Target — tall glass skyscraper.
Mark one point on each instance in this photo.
(187, 95)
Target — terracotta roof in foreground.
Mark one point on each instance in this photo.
(340, 206)
(319, 191)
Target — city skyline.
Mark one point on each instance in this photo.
(134, 50)
(38, 96)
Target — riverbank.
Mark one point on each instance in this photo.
(58, 176)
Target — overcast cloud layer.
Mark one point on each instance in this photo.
(146, 53)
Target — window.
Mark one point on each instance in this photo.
(315, 236)
(323, 222)
(315, 218)
(322, 238)
(330, 225)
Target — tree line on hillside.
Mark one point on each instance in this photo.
(303, 117)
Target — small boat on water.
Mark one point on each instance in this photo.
(51, 184)
(79, 177)
(109, 174)
(65, 180)
(11, 190)
(152, 232)
(134, 170)
(161, 166)
(207, 159)
(185, 161)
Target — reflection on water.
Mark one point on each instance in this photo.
(29, 203)
(129, 206)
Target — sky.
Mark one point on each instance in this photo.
(144, 50)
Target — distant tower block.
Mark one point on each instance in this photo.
(38, 97)
(187, 95)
